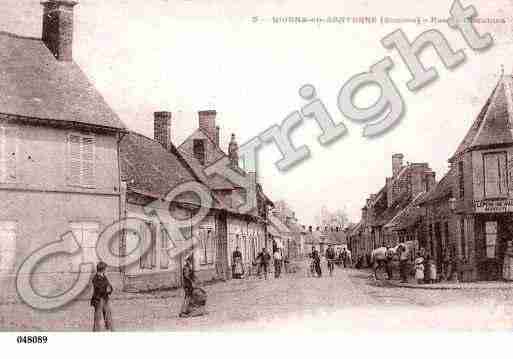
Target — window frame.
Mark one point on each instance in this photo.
(5, 176)
(82, 225)
(15, 230)
(500, 181)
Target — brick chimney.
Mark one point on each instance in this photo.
(162, 128)
(430, 180)
(58, 28)
(218, 135)
(207, 123)
(397, 163)
(233, 151)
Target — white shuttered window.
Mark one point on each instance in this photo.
(7, 246)
(86, 233)
(8, 148)
(81, 155)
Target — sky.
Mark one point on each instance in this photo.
(228, 55)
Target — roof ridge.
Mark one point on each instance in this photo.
(17, 36)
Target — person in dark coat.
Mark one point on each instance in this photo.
(263, 259)
(316, 258)
(100, 299)
(195, 298)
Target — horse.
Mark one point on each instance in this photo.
(380, 258)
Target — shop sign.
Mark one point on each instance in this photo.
(493, 205)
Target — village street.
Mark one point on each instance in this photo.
(346, 301)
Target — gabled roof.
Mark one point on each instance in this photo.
(389, 213)
(36, 85)
(493, 125)
(443, 188)
(215, 182)
(218, 152)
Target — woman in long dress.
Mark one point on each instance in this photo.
(419, 269)
(195, 298)
(238, 268)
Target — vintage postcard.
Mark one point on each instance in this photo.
(187, 166)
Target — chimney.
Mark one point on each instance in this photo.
(162, 128)
(364, 214)
(207, 123)
(430, 180)
(397, 163)
(58, 28)
(218, 131)
(233, 151)
(390, 192)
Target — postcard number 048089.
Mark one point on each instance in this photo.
(32, 339)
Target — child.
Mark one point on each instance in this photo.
(100, 299)
(419, 269)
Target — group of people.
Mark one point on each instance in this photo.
(343, 257)
(262, 262)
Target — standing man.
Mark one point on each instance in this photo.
(263, 259)
(316, 261)
(344, 257)
(330, 258)
(100, 300)
(403, 263)
(277, 263)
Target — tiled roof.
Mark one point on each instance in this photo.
(149, 168)
(442, 189)
(390, 212)
(493, 125)
(36, 85)
(409, 215)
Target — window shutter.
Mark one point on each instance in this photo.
(164, 244)
(503, 173)
(77, 231)
(7, 246)
(74, 159)
(87, 170)
(3, 162)
(11, 141)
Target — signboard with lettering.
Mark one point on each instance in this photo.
(493, 205)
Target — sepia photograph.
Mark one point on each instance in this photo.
(203, 166)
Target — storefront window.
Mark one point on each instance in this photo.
(491, 239)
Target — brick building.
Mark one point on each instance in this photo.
(380, 214)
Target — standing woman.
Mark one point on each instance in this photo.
(238, 268)
(419, 268)
(188, 286)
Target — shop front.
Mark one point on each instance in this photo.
(493, 239)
